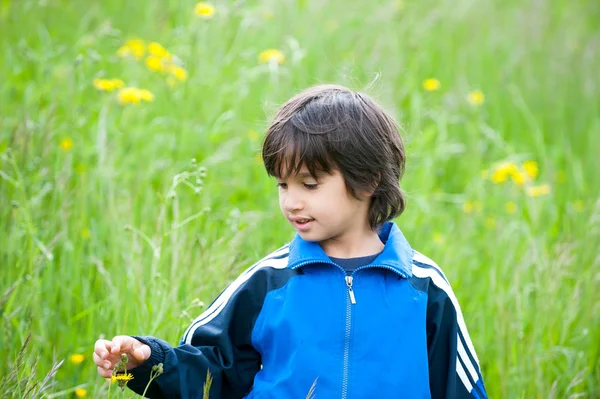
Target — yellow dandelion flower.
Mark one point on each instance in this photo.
(80, 392)
(490, 222)
(579, 206)
(253, 135)
(538, 191)
(438, 238)
(128, 95)
(146, 95)
(518, 178)
(77, 358)
(476, 97)
(122, 378)
(271, 55)
(178, 72)
(204, 10)
(157, 50)
(510, 207)
(86, 234)
(66, 144)
(134, 47)
(503, 171)
(155, 63)
(107, 84)
(431, 84)
(531, 168)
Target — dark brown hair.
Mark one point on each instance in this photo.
(329, 127)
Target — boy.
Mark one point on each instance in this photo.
(347, 308)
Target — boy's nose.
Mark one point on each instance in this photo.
(293, 203)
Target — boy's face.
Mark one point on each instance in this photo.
(321, 209)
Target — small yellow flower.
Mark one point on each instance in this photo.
(438, 238)
(579, 206)
(253, 135)
(157, 50)
(537, 191)
(510, 207)
(503, 171)
(146, 95)
(86, 234)
(271, 55)
(476, 97)
(490, 222)
(519, 178)
(178, 72)
(122, 379)
(134, 47)
(133, 95)
(128, 95)
(531, 168)
(108, 84)
(431, 84)
(204, 10)
(154, 63)
(66, 144)
(80, 392)
(77, 358)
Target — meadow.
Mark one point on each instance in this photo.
(132, 191)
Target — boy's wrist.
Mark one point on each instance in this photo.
(157, 353)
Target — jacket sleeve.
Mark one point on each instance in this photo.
(453, 365)
(219, 341)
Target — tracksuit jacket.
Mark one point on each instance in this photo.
(294, 325)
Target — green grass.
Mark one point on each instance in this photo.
(93, 245)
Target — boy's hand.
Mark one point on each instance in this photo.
(108, 353)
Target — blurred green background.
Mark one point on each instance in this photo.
(127, 204)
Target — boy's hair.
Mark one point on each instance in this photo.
(330, 127)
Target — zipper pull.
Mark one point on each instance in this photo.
(350, 290)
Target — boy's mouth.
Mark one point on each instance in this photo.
(301, 223)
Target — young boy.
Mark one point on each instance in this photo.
(348, 306)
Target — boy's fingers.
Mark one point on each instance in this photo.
(142, 353)
(100, 362)
(121, 344)
(102, 348)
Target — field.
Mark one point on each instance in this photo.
(132, 192)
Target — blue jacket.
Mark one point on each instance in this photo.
(294, 323)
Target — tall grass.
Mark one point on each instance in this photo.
(100, 239)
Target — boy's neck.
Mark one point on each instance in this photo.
(353, 244)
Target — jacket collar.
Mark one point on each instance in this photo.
(396, 255)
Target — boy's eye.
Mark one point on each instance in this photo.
(310, 186)
(282, 185)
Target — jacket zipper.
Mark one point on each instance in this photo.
(350, 300)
